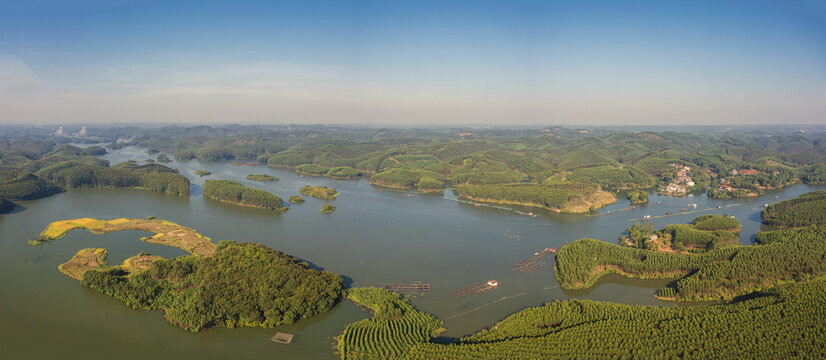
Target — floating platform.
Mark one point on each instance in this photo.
(405, 287)
(669, 214)
(474, 289)
(534, 262)
(283, 338)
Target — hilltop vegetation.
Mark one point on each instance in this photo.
(423, 180)
(235, 193)
(23, 185)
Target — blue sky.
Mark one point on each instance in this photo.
(413, 63)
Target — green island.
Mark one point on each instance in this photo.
(295, 199)
(407, 179)
(327, 208)
(203, 173)
(219, 285)
(233, 192)
(568, 198)
(781, 323)
(337, 172)
(706, 232)
(261, 177)
(319, 192)
(163, 158)
(784, 255)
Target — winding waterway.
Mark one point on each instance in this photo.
(374, 236)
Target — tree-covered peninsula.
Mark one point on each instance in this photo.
(233, 192)
(778, 256)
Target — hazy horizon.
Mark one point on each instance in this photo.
(373, 63)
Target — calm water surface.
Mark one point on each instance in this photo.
(374, 236)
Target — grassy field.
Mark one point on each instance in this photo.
(84, 260)
(166, 232)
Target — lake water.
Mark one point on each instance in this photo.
(374, 236)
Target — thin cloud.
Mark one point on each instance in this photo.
(15, 75)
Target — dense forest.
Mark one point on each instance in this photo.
(807, 209)
(723, 273)
(233, 192)
(240, 285)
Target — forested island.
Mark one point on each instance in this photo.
(233, 192)
(569, 198)
(327, 208)
(295, 199)
(216, 286)
(319, 192)
(261, 177)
